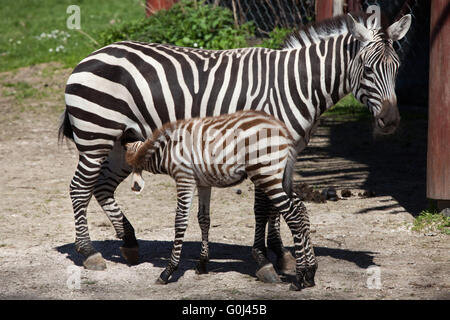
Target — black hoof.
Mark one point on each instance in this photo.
(131, 255)
(268, 274)
(165, 275)
(201, 269)
(295, 286)
(308, 277)
(304, 278)
(160, 281)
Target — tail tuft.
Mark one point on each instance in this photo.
(65, 127)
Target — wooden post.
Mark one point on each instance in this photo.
(438, 155)
(353, 5)
(152, 6)
(324, 9)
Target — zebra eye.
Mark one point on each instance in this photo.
(368, 70)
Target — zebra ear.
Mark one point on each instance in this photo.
(358, 30)
(399, 29)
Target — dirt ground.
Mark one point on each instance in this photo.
(350, 236)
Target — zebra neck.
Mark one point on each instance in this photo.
(323, 73)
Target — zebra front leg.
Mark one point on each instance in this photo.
(114, 171)
(297, 219)
(204, 199)
(185, 192)
(311, 262)
(81, 189)
(265, 272)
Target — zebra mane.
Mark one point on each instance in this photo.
(314, 33)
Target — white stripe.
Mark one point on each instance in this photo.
(114, 89)
(161, 74)
(141, 83)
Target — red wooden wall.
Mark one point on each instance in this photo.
(154, 5)
(438, 157)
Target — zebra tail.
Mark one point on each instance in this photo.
(136, 153)
(65, 128)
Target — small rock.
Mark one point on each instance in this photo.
(367, 194)
(446, 212)
(306, 193)
(330, 194)
(238, 191)
(346, 193)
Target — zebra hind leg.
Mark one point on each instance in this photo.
(81, 189)
(185, 192)
(114, 171)
(204, 198)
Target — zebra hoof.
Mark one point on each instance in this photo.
(286, 264)
(295, 286)
(308, 279)
(201, 269)
(268, 274)
(160, 281)
(95, 262)
(131, 255)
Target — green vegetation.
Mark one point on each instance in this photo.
(347, 109)
(35, 31)
(432, 221)
(188, 24)
(276, 38)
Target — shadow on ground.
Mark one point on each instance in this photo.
(239, 257)
(393, 165)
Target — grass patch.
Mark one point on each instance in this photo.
(35, 31)
(432, 221)
(347, 109)
(20, 90)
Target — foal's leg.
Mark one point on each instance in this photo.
(204, 198)
(185, 192)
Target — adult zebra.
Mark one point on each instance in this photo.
(124, 91)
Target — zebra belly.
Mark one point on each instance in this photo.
(220, 176)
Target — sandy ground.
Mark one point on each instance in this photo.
(365, 246)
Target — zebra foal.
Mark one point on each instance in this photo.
(220, 152)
